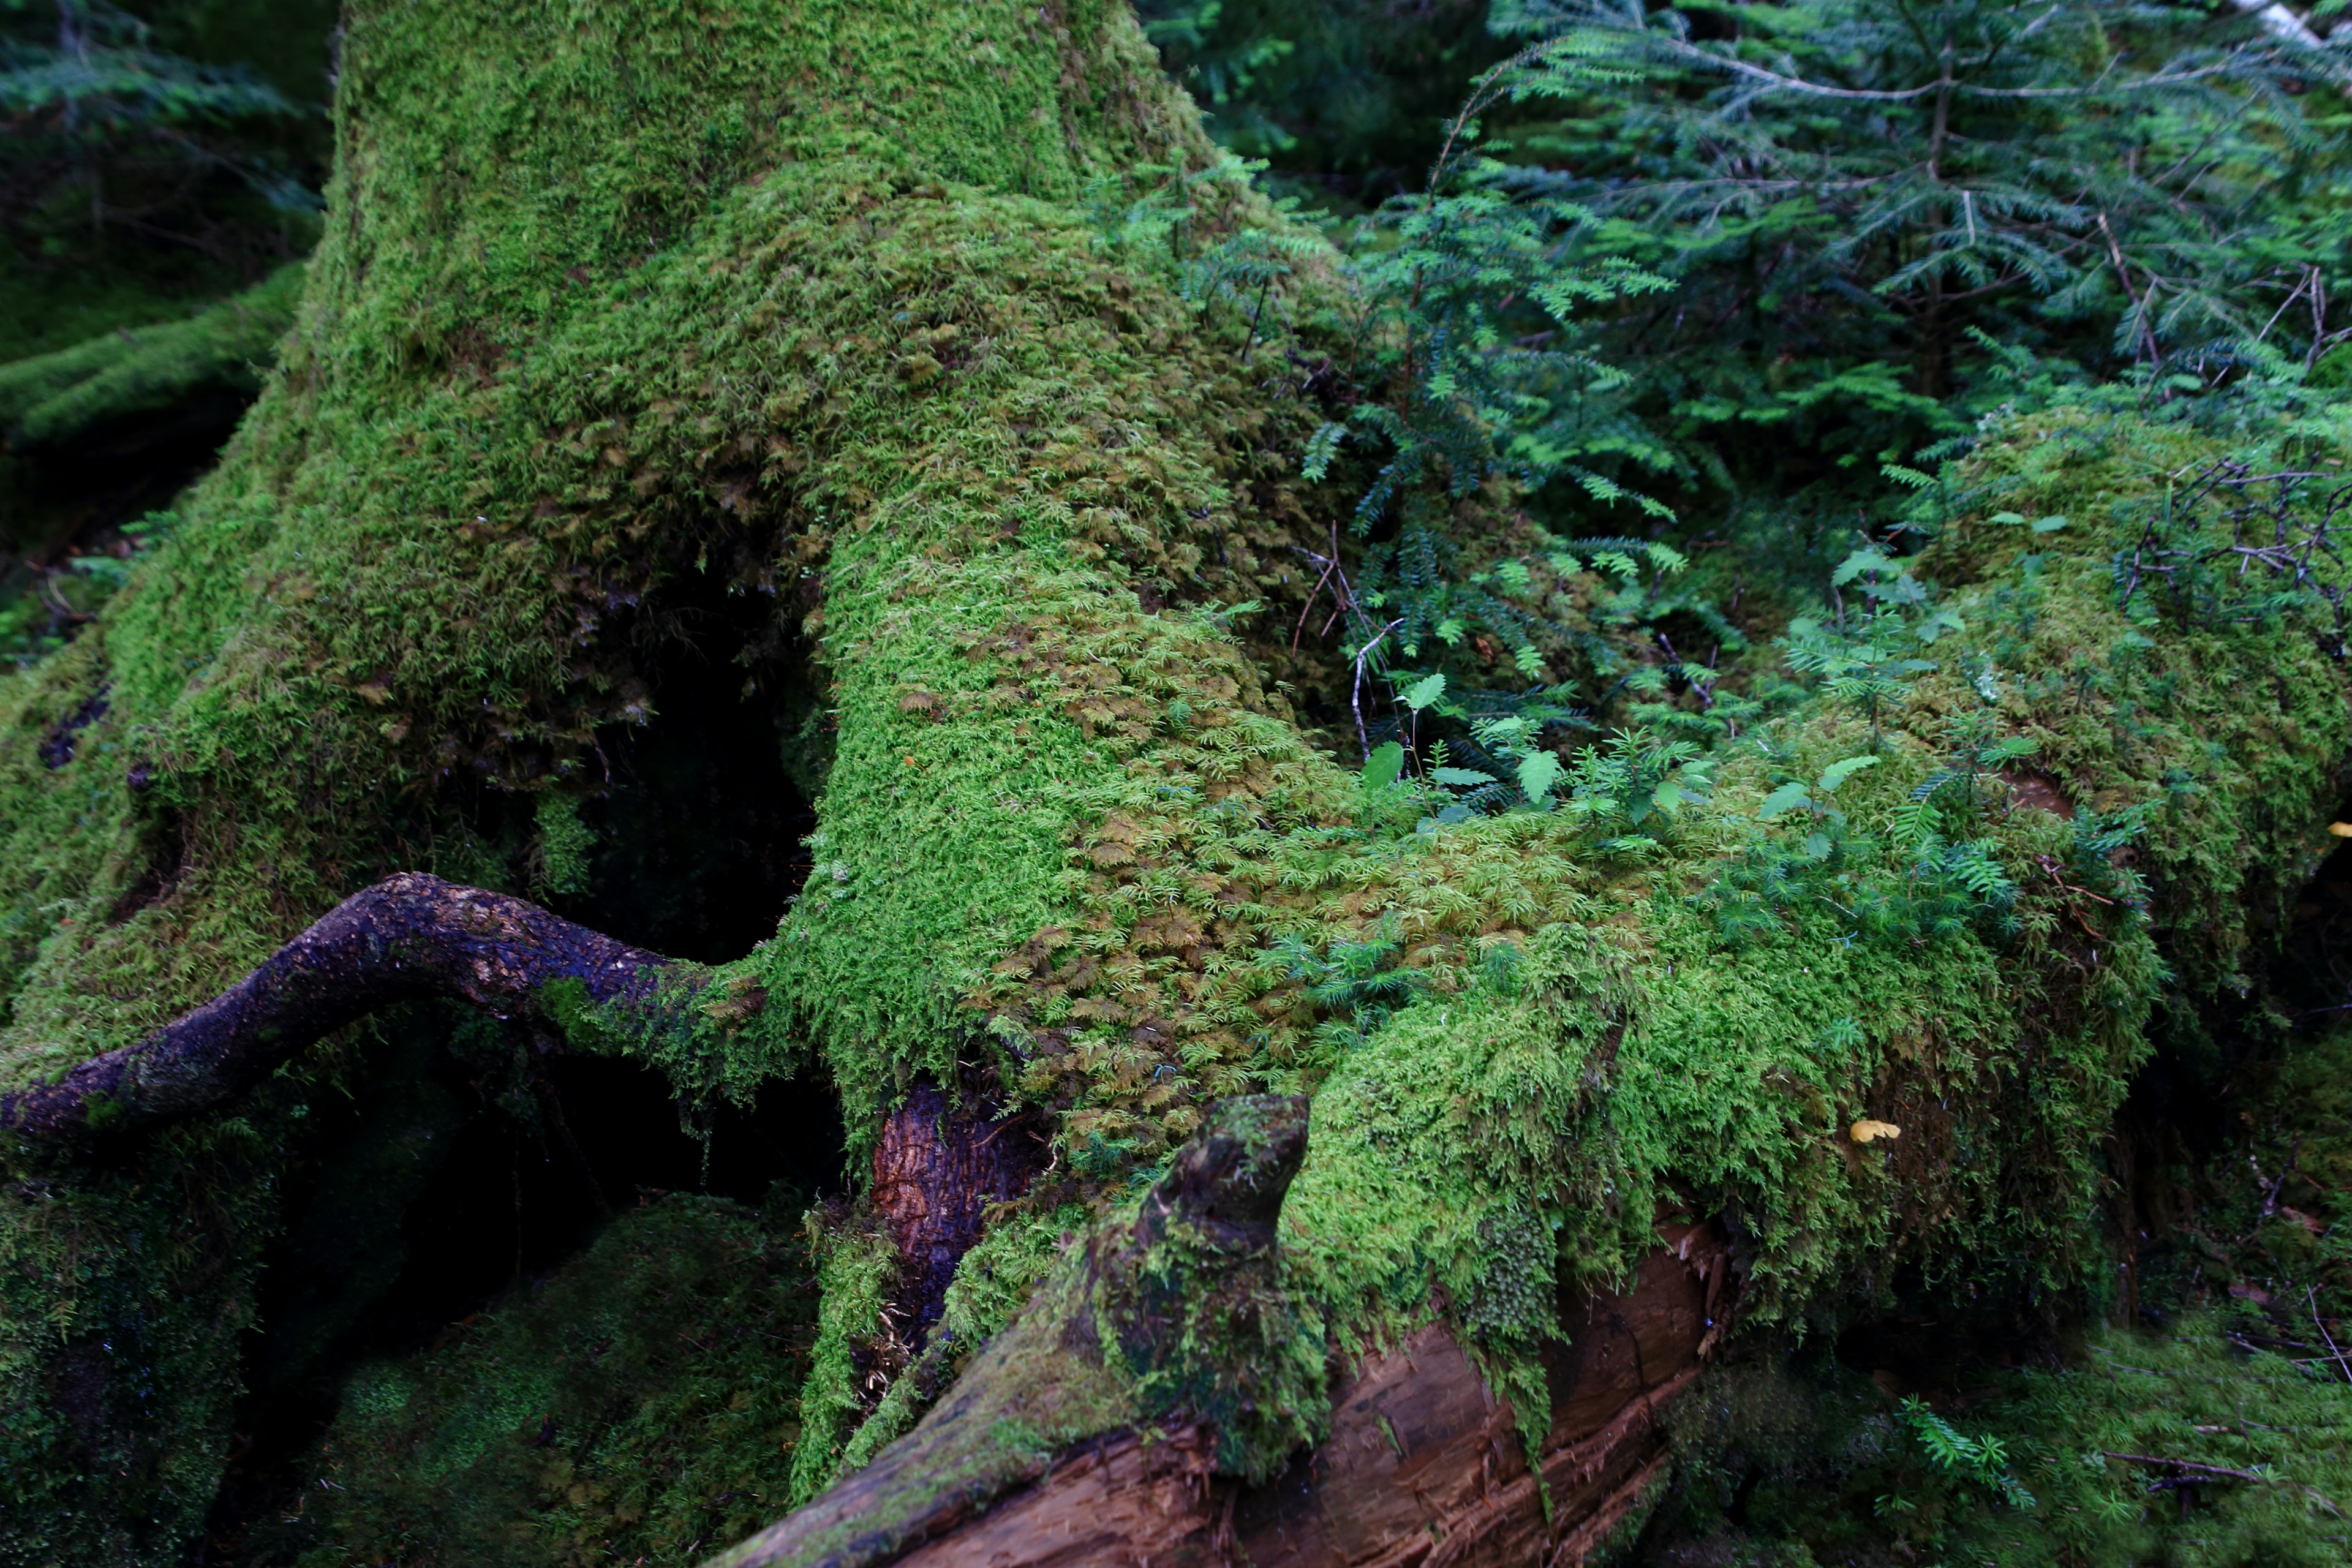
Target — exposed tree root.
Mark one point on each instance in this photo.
(1423, 1467)
(408, 938)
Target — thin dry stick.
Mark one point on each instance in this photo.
(2223, 1472)
(1308, 608)
(2122, 274)
(2291, 298)
(1356, 694)
(2311, 1299)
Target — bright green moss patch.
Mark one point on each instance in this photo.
(854, 1275)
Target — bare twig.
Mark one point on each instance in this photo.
(2311, 1299)
(1356, 692)
(2221, 1472)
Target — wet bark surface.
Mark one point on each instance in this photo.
(937, 1166)
(408, 938)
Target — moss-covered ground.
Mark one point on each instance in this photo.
(635, 1406)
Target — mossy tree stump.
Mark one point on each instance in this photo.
(817, 303)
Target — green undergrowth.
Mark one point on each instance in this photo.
(116, 1359)
(634, 1406)
(2183, 1447)
(855, 1270)
(2217, 1431)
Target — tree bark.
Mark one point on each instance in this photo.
(1423, 1464)
(407, 939)
(936, 1168)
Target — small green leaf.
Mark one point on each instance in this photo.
(1382, 767)
(1224, 615)
(2048, 524)
(1787, 798)
(1321, 447)
(1539, 771)
(1461, 778)
(1869, 558)
(1936, 625)
(1837, 772)
(2008, 518)
(1424, 691)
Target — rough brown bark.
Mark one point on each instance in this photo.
(1425, 1467)
(936, 1168)
(408, 938)
(947, 1480)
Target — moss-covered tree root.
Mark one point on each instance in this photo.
(407, 939)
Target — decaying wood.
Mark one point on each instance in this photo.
(408, 938)
(953, 1479)
(1453, 1486)
(1424, 1468)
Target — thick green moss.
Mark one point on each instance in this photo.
(597, 307)
(122, 1297)
(799, 297)
(1519, 1126)
(854, 1274)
